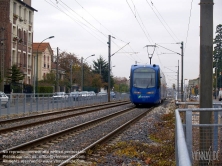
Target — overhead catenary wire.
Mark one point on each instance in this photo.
(100, 23)
(84, 20)
(188, 25)
(165, 22)
(142, 22)
(90, 23)
(139, 23)
(160, 21)
(93, 17)
(78, 22)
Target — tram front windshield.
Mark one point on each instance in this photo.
(144, 78)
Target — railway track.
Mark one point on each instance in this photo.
(52, 116)
(47, 142)
(108, 136)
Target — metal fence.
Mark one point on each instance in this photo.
(29, 103)
(199, 144)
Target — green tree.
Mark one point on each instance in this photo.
(100, 66)
(217, 53)
(120, 84)
(14, 75)
(48, 80)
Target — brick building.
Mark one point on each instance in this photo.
(16, 38)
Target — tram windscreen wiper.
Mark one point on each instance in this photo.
(149, 82)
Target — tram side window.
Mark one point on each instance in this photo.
(159, 80)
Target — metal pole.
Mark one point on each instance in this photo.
(216, 82)
(34, 73)
(71, 75)
(37, 62)
(82, 64)
(109, 55)
(36, 83)
(206, 56)
(82, 74)
(178, 71)
(2, 54)
(206, 70)
(57, 70)
(181, 71)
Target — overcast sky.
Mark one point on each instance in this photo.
(82, 27)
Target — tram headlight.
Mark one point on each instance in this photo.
(136, 92)
(150, 93)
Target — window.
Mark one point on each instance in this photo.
(24, 14)
(24, 60)
(20, 11)
(30, 17)
(14, 7)
(24, 38)
(144, 78)
(19, 33)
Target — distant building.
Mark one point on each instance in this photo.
(194, 86)
(45, 54)
(16, 38)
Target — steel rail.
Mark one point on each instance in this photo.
(58, 134)
(58, 118)
(106, 137)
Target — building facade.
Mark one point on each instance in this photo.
(45, 54)
(193, 86)
(16, 37)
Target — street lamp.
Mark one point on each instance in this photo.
(71, 63)
(185, 91)
(82, 82)
(37, 63)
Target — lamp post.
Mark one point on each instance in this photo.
(82, 64)
(185, 91)
(71, 63)
(37, 63)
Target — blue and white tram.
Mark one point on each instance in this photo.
(147, 84)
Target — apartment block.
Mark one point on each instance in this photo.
(16, 38)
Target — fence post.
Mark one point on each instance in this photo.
(17, 104)
(0, 107)
(189, 132)
(24, 103)
(176, 154)
(215, 132)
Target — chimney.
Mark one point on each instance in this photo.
(28, 2)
